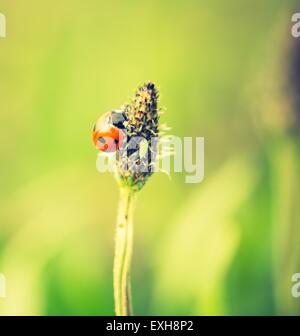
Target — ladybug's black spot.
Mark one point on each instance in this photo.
(116, 141)
(102, 140)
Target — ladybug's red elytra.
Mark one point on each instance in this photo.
(107, 133)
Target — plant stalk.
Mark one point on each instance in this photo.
(123, 253)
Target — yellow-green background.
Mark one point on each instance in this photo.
(226, 246)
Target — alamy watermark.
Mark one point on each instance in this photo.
(2, 26)
(296, 285)
(296, 25)
(174, 154)
(2, 286)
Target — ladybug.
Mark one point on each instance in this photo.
(108, 132)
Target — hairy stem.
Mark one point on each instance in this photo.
(123, 253)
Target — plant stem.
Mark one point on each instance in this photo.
(286, 250)
(123, 253)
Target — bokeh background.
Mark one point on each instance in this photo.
(227, 71)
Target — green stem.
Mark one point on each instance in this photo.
(123, 254)
(286, 248)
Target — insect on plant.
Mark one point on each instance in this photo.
(132, 133)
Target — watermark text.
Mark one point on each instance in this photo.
(174, 154)
(2, 286)
(2, 26)
(296, 285)
(296, 26)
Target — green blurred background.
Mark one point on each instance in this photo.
(228, 245)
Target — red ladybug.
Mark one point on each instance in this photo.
(107, 133)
